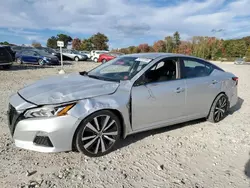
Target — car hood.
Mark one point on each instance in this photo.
(66, 88)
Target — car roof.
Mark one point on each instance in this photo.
(156, 55)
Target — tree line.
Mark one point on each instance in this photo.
(97, 41)
(199, 46)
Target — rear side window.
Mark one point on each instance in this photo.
(3, 52)
(193, 68)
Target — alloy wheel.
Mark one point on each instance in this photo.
(41, 62)
(220, 109)
(99, 134)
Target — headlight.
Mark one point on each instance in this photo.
(49, 111)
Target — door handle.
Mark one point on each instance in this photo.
(179, 89)
(214, 81)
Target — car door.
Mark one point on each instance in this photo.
(35, 57)
(202, 86)
(26, 56)
(157, 96)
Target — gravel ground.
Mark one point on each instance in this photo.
(196, 154)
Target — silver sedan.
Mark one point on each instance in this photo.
(91, 111)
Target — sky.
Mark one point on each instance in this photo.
(125, 22)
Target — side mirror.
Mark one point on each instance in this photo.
(141, 80)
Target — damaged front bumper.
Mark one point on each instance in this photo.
(43, 134)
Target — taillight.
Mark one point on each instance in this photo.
(235, 79)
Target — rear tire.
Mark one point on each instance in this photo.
(98, 134)
(104, 61)
(95, 60)
(219, 109)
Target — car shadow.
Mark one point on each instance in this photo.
(247, 168)
(236, 107)
(139, 136)
(28, 67)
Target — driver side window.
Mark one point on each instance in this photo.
(162, 71)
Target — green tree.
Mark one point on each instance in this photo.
(99, 41)
(235, 48)
(87, 45)
(133, 49)
(169, 44)
(248, 54)
(4, 43)
(52, 42)
(177, 40)
(65, 38)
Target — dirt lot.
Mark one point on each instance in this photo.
(197, 154)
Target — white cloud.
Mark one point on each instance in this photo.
(126, 22)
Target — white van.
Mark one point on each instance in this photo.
(96, 53)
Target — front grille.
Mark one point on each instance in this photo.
(43, 141)
(13, 118)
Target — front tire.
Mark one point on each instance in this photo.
(98, 134)
(76, 58)
(19, 61)
(41, 62)
(104, 61)
(219, 109)
(95, 60)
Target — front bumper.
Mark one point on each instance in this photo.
(53, 134)
(52, 62)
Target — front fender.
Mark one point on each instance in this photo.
(86, 107)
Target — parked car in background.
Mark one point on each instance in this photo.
(11, 52)
(239, 61)
(108, 56)
(20, 48)
(96, 54)
(92, 111)
(87, 53)
(50, 51)
(74, 55)
(5, 58)
(35, 56)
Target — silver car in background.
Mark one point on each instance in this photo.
(74, 55)
(91, 111)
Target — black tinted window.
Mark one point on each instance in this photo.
(31, 53)
(3, 52)
(164, 70)
(194, 68)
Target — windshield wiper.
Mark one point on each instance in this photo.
(102, 78)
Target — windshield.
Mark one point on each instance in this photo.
(42, 52)
(122, 68)
(75, 52)
(49, 50)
